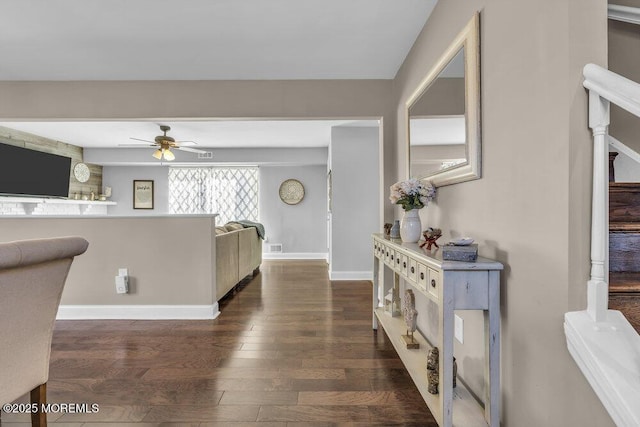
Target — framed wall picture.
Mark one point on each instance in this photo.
(142, 194)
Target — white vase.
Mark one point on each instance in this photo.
(410, 227)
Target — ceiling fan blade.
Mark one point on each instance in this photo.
(187, 143)
(143, 140)
(137, 145)
(191, 150)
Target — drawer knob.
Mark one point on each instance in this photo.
(387, 253)
(404, 265)
(398, 260)
(421, 276)
(413, 270)
(392, 257)
(433, 283)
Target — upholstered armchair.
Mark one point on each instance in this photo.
(32, 276)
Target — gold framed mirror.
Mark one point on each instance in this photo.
(443, 114)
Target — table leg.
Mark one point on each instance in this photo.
(376, 290)
(492, 352)
(446, 354)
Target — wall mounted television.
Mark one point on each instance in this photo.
(27, 172)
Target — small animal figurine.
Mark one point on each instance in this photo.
(387, 229)
(410, 318)
(430, 236)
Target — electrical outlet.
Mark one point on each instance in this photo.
(122, 284)
(122, 281)
(459, 329)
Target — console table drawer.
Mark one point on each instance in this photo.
(392, 258)
(412, 272)
(404, 265)
(377, 248)
(397, 260)
(433, 285)
(423, 276)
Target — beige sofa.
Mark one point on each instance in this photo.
(238, 254)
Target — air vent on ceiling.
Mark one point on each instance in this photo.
(207, 155)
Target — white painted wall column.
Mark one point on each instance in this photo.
(355, 201)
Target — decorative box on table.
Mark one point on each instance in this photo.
(467, 253)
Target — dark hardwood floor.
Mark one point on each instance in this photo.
(289, 349)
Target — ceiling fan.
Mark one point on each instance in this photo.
(164, 145)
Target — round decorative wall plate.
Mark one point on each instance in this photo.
(291, 191)
(81, 172)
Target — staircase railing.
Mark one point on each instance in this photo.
(603, 343)
(624, 13)
(624, 149)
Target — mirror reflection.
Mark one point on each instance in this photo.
(443, 114)
(437, 123)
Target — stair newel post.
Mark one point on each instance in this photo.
(598, 289)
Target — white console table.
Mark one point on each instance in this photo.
(451, 285)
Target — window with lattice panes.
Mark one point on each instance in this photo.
(230, 192)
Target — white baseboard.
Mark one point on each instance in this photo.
(294, 255)
(138, 312)
(350, 275)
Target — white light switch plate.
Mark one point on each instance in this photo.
(459, 329)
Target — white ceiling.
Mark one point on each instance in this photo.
(207, 39)
(204, 40)
(227, 133)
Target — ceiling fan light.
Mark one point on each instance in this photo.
(157, 154)
(168, 155)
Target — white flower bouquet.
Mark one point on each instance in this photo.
(412, 194)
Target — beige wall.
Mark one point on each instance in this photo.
(531, 208)
(170, 259)
(193, 99)
(208, 99)
(445, 97)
